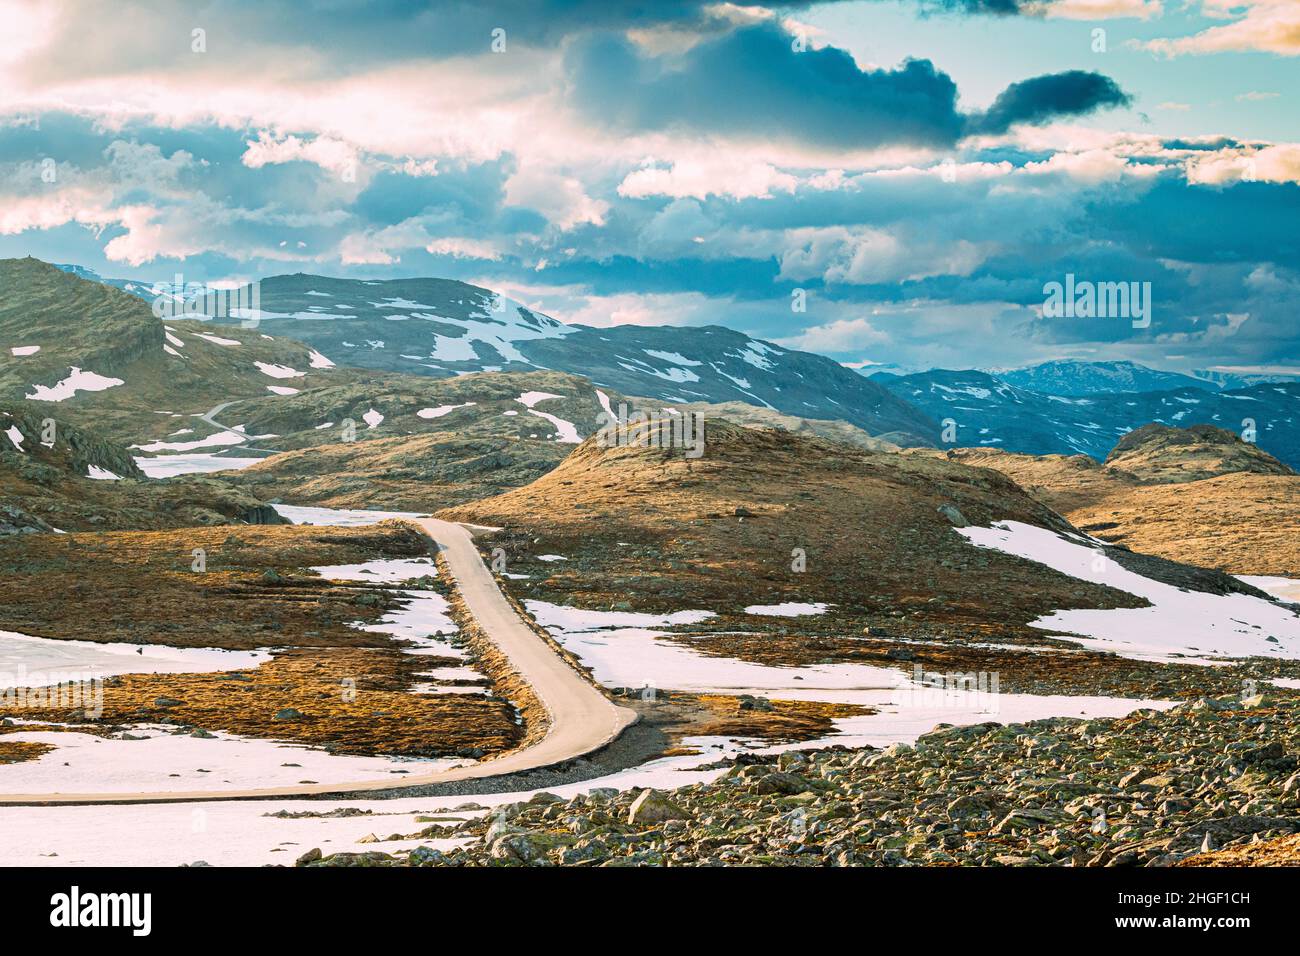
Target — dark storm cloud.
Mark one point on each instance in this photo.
(1045, 98)
(755, 83)
(1244, 222)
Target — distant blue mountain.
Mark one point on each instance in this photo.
(1224, 379)
(1072, 379)
(986, 411)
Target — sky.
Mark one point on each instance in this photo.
(889, 182)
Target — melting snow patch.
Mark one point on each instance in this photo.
(529, 399)
(103, 474)
(1286, 589)
(282, 390)
(566, 432)
(157, 759)
(391, 571)
(278, 371)
(22, 350)
(24, 658)
(15, 436)
(217, 339)
(441, 410)
(372, 418)
(77, 381)
(787, 609)
(423, 620)
(1179, 622)
(169, 466)
(671, 357)
(340, 517)
(318, 360)
(212, 441)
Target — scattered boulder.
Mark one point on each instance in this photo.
(952, 514)
(653, 807)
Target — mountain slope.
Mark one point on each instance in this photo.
(441, 327)
(1073, 379)
(768, 518)
(420, 444)
(100, 357)
(80, 481)
(1199, 495)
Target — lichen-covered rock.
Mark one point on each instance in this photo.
(653, 807)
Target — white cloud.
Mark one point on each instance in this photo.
(333, 155)
(1090, 166)
(1271, 26)
(460, 247)
(842, 335)
(1276, 164)
(862, 256)
(699, 179)
(561, 199)
(1095, 9)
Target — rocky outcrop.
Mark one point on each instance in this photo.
(1160, 454)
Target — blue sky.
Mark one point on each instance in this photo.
(920, 169)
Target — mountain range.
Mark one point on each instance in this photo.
(1074, 378)
(982, 410)
(441, 329)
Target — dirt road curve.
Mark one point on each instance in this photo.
(582, 719)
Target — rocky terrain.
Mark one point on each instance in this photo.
(79, 481)
(811, 489)
(1158, 454)
(755, 416)
(482, 441)
(1152, 789)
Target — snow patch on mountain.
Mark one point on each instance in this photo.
(76, 381)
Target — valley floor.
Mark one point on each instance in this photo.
(770, 761)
